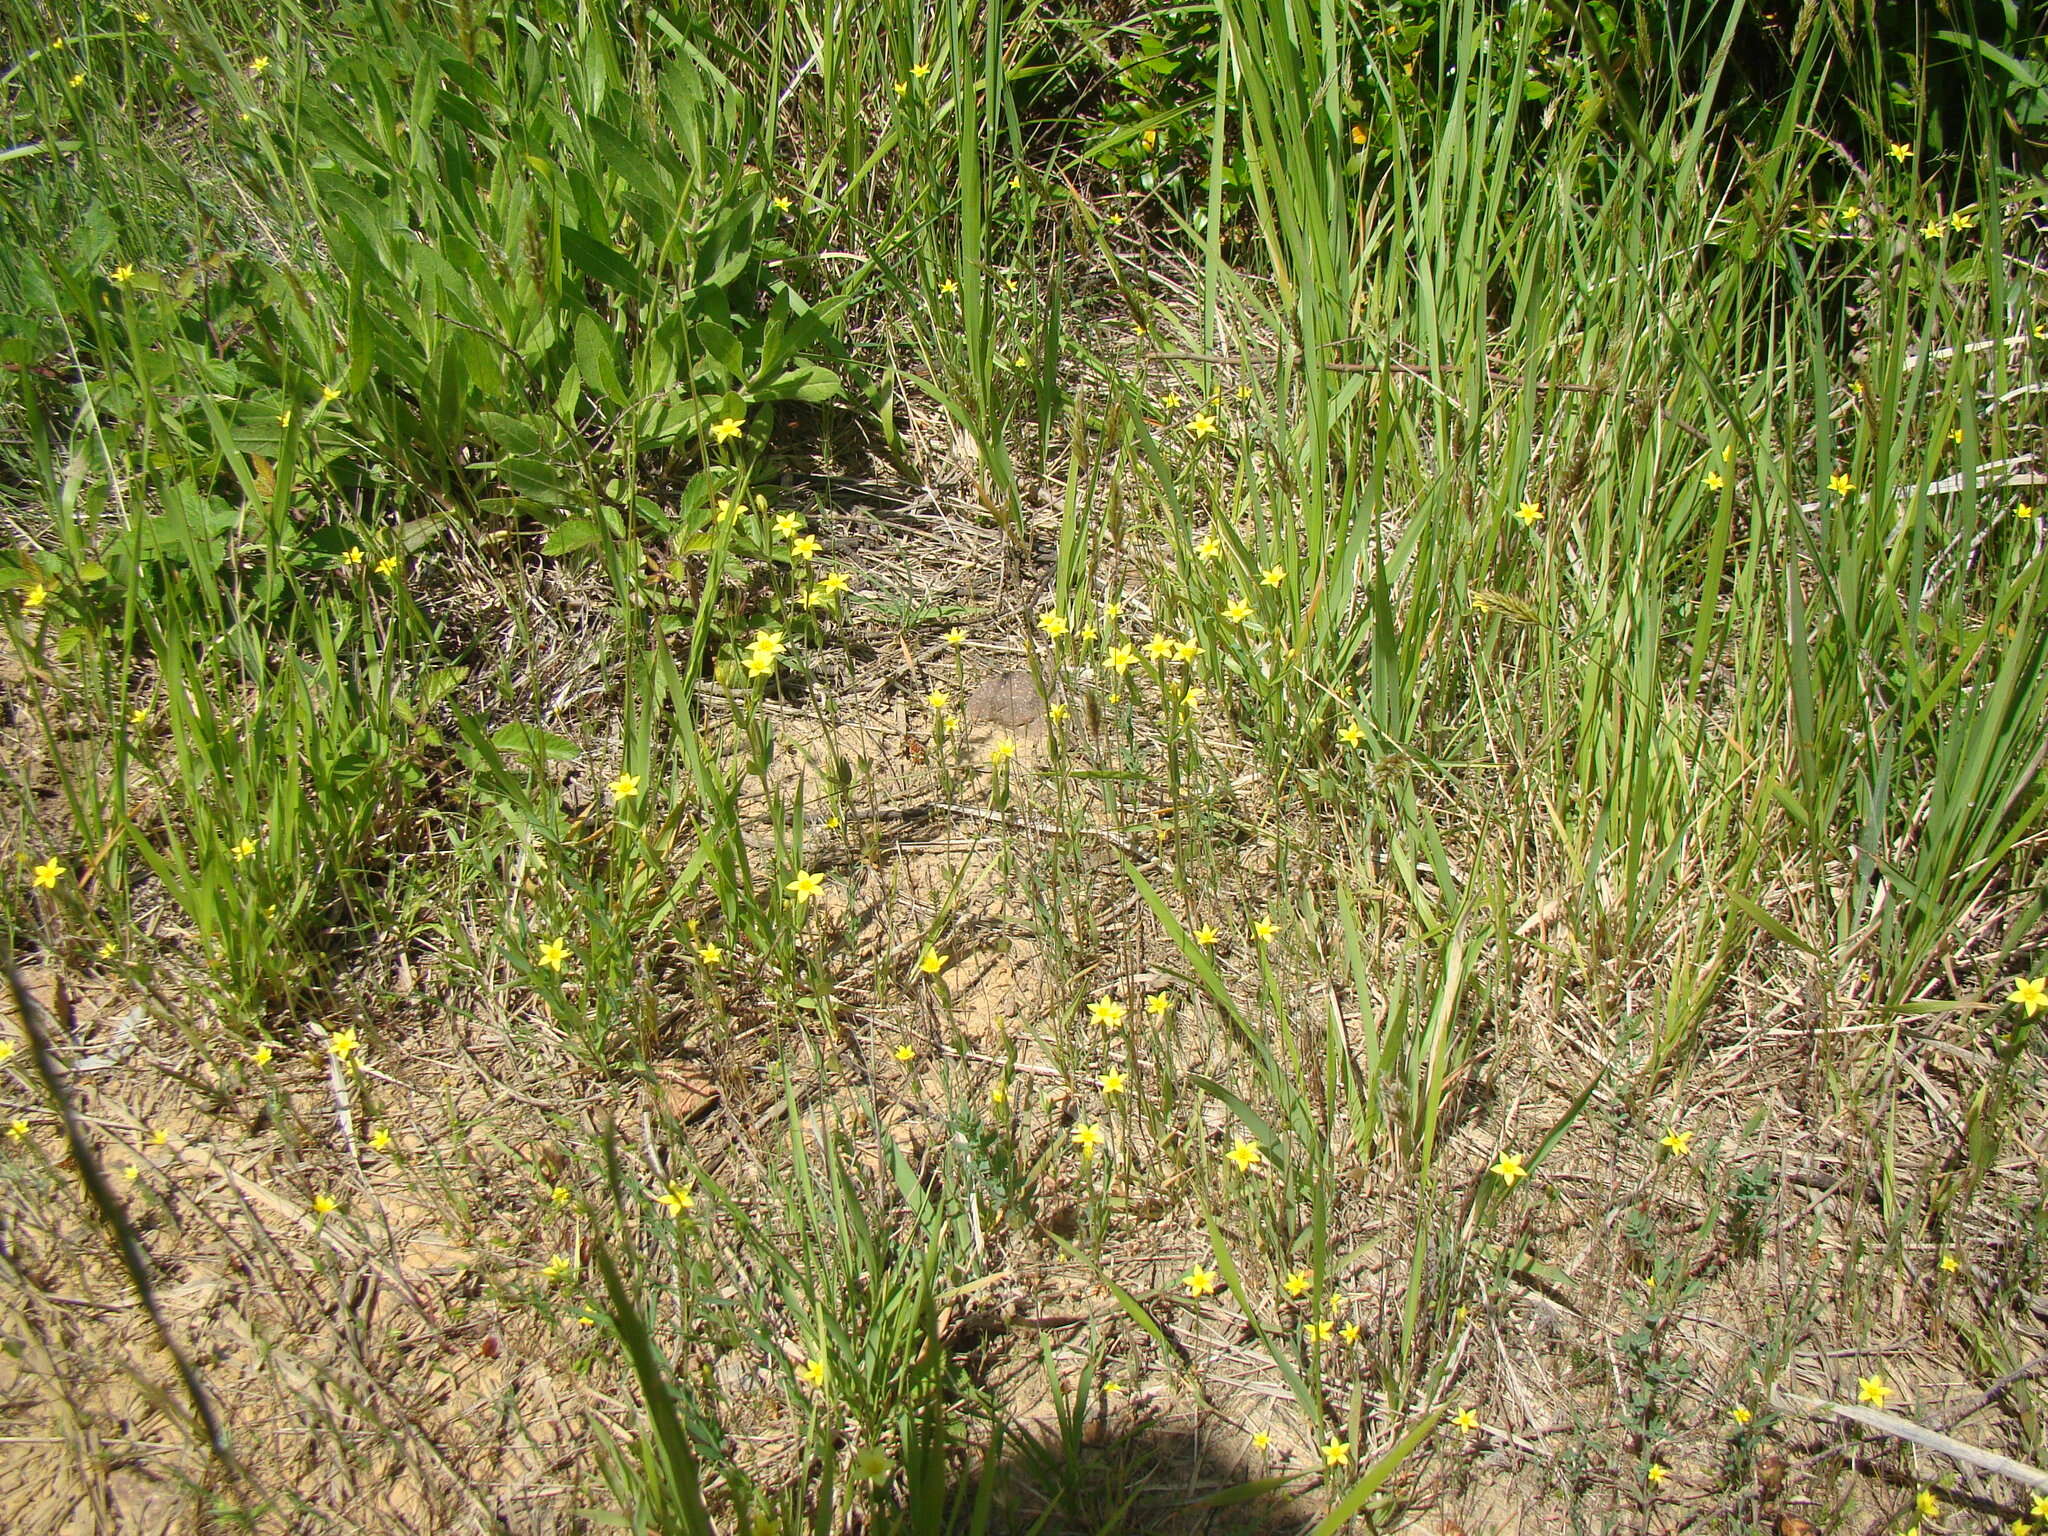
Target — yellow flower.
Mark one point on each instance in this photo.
(1351, 735)
(1298, 1282)
(812, 1372)
(1245, 1155)
(1840, 484)
(710, 954)
(6, 1051)
(1002, 751)
(35, 596)
(1960, 220)
(1273, 575)
(325, 1205)
(1057, 713)
(1872, 1390)
(559, 1195)
(1933, 229)
(2030, 994)
(1088, 1138)
(1265, 929)
(676, 1199)
(1122, 658)
(1898, 151)
(1466, 1420)
(1676, 1142)
(1107, 1012)
(1158, 648)
(998, 1094)
(353, 555)
(1336, 1453)
(1358, 133)
(1158, 1005)
(554, 954)
(1053, 624)
(905, 1053)
(261, 1055)
(1206, 936)
(1740, 1414)
(1509, 1169)
(1186, 651)
(1956, 436)
(17, 1130)
(47, 875)
(1530, 512)
(1200, 1282)
(805, 886)
(2039, 1508)
(380, 1140)
(932, 962)
(919, 71)
(1210, 549)
(2023, 509)
(955, 637)
(1237, 610)
(1203, 425)
(246, 848)
(1657, 1473)
(121, 274)
(329, 394)
(804, 548)
(131, 1173)
(259, 63)
(1714, 480)
(949, 286)
(557, 1269)
(388, 566)
(938, 701)
(1927, 1504)
(625, 787)
(726, 430)
(1261, 1441)
(1170, 400)
(788, 525)
(1111, 1083)
(1950, 1263)
(1319, 1331)
(342, 1044)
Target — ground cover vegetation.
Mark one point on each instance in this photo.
(1026, 767)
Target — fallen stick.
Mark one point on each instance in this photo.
(1907, 1430)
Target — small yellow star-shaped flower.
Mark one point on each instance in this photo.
(1245, 1156)
(1530, 512)
(1676, 1142)
(2030, 993)
(932, 962)
(1509, 1169)
(1466, 1420)
(1872, 1390)
(1200, 1282)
